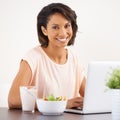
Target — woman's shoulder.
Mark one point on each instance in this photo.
(33, 57)
(33, 51)
(73, 53)
(34, 54)
(75, 56)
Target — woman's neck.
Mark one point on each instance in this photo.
(58, 55)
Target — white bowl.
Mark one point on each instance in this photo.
(51, 107)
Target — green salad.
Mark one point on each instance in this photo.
(53, 98)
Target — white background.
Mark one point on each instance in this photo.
(98, 37)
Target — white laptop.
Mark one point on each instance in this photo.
(97, 97)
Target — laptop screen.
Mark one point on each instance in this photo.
(97, 97)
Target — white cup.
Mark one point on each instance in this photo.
(28, 98)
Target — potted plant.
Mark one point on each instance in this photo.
(114, 79)
(113, 83)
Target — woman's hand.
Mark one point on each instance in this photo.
(75, 102)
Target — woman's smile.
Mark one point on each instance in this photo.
(63, 40)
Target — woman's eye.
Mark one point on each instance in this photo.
(67, 26)
(55, 27)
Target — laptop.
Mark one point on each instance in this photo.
(97, 97)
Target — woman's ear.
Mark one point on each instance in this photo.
(43, 29)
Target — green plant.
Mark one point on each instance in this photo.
(114, 79)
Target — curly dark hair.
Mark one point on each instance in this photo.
(43, 18)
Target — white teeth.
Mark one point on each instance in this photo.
(62, 40)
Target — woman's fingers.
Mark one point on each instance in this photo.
(78, 102)
(75, 102)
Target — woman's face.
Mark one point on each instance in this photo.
(58, 30)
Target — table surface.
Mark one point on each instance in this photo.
(6, 114)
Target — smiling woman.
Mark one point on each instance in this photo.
(52, 64)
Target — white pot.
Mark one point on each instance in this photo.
(115, 104)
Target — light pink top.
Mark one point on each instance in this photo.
(50, 77)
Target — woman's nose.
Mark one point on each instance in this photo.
(62, 32)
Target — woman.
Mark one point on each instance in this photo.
(52, 66)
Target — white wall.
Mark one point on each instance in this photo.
(97, 39)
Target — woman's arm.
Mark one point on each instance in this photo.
(77, 101)
(23, 77)
(82, 88)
